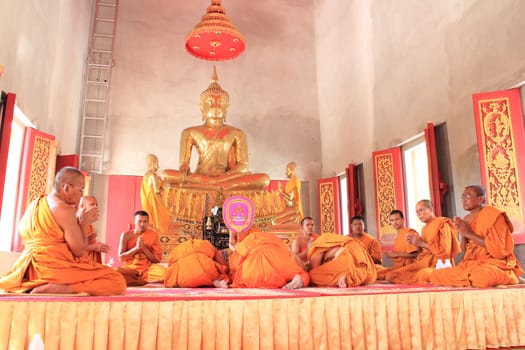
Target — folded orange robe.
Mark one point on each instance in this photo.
(48, 259)
(139, 262)
(354, 262)
(441, 236)
(400, 246)
(191, 265)
(373, 247)
(159, 215)
(485, 267)
(263, 260)
(96, 256)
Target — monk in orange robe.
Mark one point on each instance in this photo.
(55, 258)
(140, 250)
(486, 237)
(263, 260)
(150, 196)
(438, 241)
(95, 248)
(403, 253)
(196, 263)
(340, 261)
(303, 241)
(372, 245)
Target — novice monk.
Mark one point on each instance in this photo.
(438, 241)
(403, 253)
(196, 263)
(263, 260)
(486, 238)
(140, 250)
(303, 241)
(372, 245)
(95, 248)
(55, 257)
(340, 261)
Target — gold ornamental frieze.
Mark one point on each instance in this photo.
(39, 168)
(327, 209)
(385, 189)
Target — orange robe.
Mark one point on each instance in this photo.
(372, 246)
(441, 236)
(96, 256)
(401, 246)
(47, 259)
(139, 262)
(159, 215)
(191, 265)
(485, 267)
(354, 262)
(263, 260)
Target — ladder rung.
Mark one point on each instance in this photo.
(99, 83)
(92, 136)
(95, 100)
(102, 51)
(104, 19)
(94, 117)
(110, 36)
(99, 65)
(106, 4)
(92, 155)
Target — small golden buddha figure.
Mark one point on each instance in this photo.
(150, 196)
(292, 190)
(222, 150)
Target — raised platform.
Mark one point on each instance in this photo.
(380, 316)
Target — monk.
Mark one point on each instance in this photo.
(55, 258)
(140, 250)
(372, 245)
(222, 150)
(292, 190)
(340, 261)
(263, 260)
(438, 241)
(95, 248)
(303, 241)
(196, 263)
(403, 253)
(486, 239)
(150, 196)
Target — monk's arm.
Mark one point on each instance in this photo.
(73, 233)
(123, 252)
(316, 260)
(149, 253)
(467, 234)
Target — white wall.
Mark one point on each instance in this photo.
(401, 64)
(43, 46)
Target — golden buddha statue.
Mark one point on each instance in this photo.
(222, 150)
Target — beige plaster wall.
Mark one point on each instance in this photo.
(401, 64)
(156, 84)
(43, 46)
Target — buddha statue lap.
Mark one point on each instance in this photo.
(222, 150)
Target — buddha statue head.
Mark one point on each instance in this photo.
(214, 102)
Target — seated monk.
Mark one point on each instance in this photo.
(486, 239)
(196, 263)
(340, 261)
(222, 150)
(55, 258)
(140, 250)
(95, 248)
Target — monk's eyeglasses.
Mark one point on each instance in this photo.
(469, 196)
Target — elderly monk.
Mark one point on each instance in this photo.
(150, 196)
(403, 253)
(438, 241)
(222, 149)
(140, 249)
(372, 245)
(95, 248)
(263, 260)
(340, 261)
(196, 263)
(486, 239)
(55, 258)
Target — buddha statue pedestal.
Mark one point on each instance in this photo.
(188, 208)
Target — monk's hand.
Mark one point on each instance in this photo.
(413, 239)
(99, 247)
(462, 226)
(87, 216)
(140, 243)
